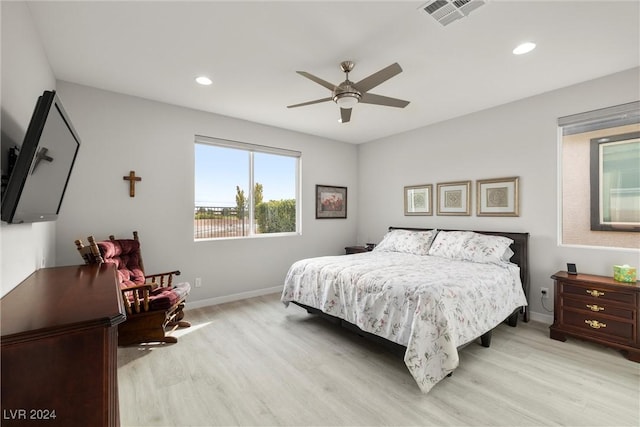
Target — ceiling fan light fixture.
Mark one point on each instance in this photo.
(347, 99)
(347, 94)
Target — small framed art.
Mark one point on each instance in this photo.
(417, 199)
(454, 198)
(331, 202)
(498, 197)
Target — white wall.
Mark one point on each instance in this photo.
(120, 133)
(517, 139)
(25, 75)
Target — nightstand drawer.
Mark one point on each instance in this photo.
(602, 307)
(613, 330)
(599, 293)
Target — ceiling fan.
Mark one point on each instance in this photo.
(347, 94)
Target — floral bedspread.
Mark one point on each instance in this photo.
(429, 304)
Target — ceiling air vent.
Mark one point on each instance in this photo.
(447, 11)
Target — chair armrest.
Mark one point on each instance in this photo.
(168, 277)
(147, 286)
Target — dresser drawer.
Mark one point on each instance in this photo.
(597, 293)
(588, 305)
(609, 328)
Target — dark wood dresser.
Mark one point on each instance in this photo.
(58, 348)
(598, 309)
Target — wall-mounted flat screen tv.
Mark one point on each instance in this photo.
(40, 176)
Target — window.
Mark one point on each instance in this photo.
(615, 182)
(600, 177)
(244, 190)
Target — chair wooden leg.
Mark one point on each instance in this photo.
(176, 318)
(179, 313)
(169, 339)
(180, 324)
(144, 328)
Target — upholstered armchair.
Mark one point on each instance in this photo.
(153, 302)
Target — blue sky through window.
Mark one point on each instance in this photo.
(218, 170)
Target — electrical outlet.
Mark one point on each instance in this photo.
(198, 282)
(544, 292)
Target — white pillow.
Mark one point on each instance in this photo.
(448, 244)
(506, 256)
(407, 241)
(487, 249)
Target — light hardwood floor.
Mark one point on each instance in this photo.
(255, 362)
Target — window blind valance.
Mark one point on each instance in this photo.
(246, 146)
(619, 115)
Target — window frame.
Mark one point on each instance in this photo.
(598, 223)
(251, 149)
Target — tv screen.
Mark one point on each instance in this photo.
(39, 179)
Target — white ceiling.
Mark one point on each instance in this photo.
(251, 50)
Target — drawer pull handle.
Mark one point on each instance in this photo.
(595, 324)
(595, 293)
(594, 307)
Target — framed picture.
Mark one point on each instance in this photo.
(331, 202)
(417, 199)
(454, 198)
(497, 197)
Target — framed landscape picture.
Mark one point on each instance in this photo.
(331, 202)
(417, 200)
(454, 198)
(498, 197)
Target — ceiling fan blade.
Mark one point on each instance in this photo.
(317, 101)
(345, 115)
(370, 98)
(318, 80)
(379, 77)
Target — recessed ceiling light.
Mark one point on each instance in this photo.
(524, 48)
(204, 80)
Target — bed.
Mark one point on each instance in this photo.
(429, 291)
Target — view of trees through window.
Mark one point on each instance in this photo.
(242, 191)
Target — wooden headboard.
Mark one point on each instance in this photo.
(520, 248)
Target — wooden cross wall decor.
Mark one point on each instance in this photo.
(132, 178)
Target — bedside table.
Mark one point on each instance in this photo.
(355, 249)
(598, 309)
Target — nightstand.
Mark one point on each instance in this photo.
(598, 309)
(355, 249)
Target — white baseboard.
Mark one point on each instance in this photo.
(233, 297)
(542, 318)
